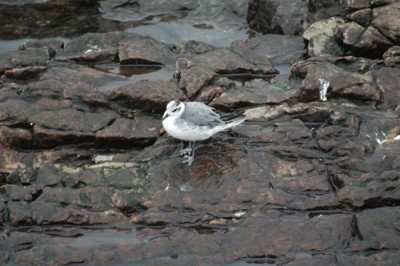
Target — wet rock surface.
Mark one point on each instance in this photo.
(88, 176)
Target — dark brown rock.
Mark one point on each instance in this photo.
(387, 80)
(280, 17)
(24, 73)
(386, 20)
(16, 137)
(15, 111)
(362, 17)
(30, 57)
(144, 50)
(226, 61)
(255, 92)
(392, 57)
(147, 95)
(86, 178)
(342, 83)
(362, 39)
(192, 46)
(53, 44)
(357, 4)
(92, 47)
(192, 80)
(264, 50)
(322, 37)
(326, 9)
(73, 120)
(377, 228)
(141, 131)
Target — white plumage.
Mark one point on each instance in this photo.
(194, 121)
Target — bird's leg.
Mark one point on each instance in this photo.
(189, 157)
(187, 148)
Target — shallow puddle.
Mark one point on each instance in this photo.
(176, 32)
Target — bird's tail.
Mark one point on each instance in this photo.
(231, 123)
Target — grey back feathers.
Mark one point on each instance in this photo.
(201, 115)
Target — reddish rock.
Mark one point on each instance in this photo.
(392, 57)
(225, 61)
(147, 95)
(386, 20)
(255, 92)
(15, 111)
(192, 80)
(376, 229)
(73, 120)
(25, 73)
(266, 50)
(16, 137)
(280, 17)
(342, 83)
(140, 131)
(87, 178)
(30, 57)
(387, 80)
(144, 50)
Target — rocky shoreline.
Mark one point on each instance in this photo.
(88, 176)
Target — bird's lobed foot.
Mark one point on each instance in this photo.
(186, 152)
(188, 159)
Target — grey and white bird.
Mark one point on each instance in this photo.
(194, 121)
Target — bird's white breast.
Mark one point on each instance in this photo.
(182, 130)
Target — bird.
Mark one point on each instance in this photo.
(194, 121)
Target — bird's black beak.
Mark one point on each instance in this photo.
(164, 116)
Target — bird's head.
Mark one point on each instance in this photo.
(174, 108)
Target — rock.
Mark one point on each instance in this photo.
(391, 57)
(375, 229)
(13, 112)
(146, 95)
(362, 17)
(255, 92)
(348, 63)
(225, 61)
(73, 120)
(342, 83)
(117, 10)
(387, 80)
(140, 131)
(371, 37)
(144, 50)
(264, 49)
(24, 73)
(192, 80)
(325, 10)
(280, 17)
(322, 37)
(360, 192)
(380, 257)
(386, 20)
(127, 201)
(192, 46)
(92, 47)
(360, 39)
(53, 44)
(221, 13)
(16, 137)
(87, 178)
(357, 4)
(26, 58)
(70, 74)
(67, 83)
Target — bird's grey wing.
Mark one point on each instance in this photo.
(200, 114)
